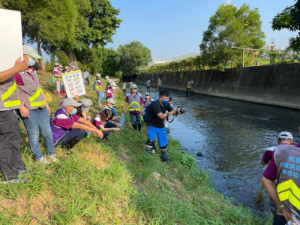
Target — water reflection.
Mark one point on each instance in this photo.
(232, 136)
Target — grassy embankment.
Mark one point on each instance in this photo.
(112, 182)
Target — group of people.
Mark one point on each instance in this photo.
(281, 179)
(22, 98)
(56, 78)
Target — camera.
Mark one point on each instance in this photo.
(180, 109)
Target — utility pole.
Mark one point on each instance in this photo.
(243, 54)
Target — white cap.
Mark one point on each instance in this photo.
(28, 50)
(111, 100)
(70, 101)
(285, 135)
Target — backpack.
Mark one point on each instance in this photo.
(147, 112)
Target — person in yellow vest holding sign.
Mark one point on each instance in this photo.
(134, 102)
(34, 110)
(11, 164)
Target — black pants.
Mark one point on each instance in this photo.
(72, 138)
(188, 90)
(10, 157)
(148, 88)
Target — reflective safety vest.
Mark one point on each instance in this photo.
(55, 78)
(134, 102)
(9, 95)
(287, 160)
(31, 93)
(189, 86)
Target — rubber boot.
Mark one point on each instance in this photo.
(148, 149)
(139, 127)
(134, 126)
(164, 155)
(153, 150)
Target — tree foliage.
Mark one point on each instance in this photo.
(231, 27)
(66, 25)
(289, 19)
(133, 56)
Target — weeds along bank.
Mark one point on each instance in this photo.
(115, 182)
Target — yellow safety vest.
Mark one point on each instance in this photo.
(7, 94)
(133, 104)
(287, 160)
(33, 97)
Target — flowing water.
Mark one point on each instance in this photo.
(232, 136)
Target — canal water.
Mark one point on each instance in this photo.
(232, 136)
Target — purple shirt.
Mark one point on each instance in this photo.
(268, 156)
(61, 124)
(271, 170)
(97, 121)
(19, 80)
(141, 100)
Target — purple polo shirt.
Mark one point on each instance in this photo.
(141, 99)
(268, 155)
(61, 124)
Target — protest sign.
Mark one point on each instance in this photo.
(73, 83)
(10, 38)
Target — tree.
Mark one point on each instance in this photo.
(231, 27)
(110, 61)
(289, 19)
(66, 25)
(49, 24)
(133, 56)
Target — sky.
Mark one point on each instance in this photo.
(171, 28)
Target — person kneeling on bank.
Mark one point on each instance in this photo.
(68, 128)
(102, 122)
(157, 113)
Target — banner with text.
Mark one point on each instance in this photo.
(73, 83)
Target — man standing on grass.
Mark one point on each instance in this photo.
(34, 111)
(11, 163)
(159, 110)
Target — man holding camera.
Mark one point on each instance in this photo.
(157, 113)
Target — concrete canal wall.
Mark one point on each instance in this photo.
(274, 85)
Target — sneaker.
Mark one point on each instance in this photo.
(53, 158)
(153, 151)
(43, 160)
(69, 152)
(14, 181)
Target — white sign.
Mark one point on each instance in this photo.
(73, 83)
(10, 39)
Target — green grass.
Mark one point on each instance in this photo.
(112, 182)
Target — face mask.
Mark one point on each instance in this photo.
(74, 112)
(113, 88)
(30, 62)
(165, 102)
